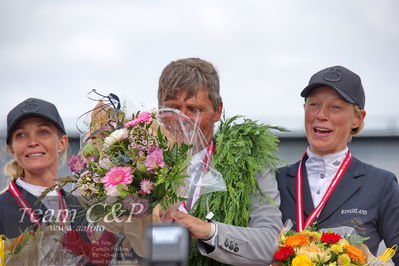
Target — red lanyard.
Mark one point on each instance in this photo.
(300, 224)
(28, 210)
(210, 150)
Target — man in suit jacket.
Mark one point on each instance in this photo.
(336, 189)
(192, 86)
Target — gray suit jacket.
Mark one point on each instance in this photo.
(366, 197)
(255, 244)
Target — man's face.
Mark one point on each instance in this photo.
(199, 109)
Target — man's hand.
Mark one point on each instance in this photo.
(197, 227)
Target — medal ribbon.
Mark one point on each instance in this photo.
(300, 223)
(62, 208)
(28, 210)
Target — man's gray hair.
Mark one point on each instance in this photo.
(189, 75)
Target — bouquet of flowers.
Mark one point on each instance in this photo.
(333, 246)
(40, 247)
(130, 165)
(311, 247)
(132, 169)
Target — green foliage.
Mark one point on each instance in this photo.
(356, 240)
(242, 149)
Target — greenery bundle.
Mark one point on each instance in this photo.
(242, 149)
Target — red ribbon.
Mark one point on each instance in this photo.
(300, 224)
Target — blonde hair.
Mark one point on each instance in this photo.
(357, 130)
(14, 170)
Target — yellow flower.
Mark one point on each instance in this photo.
(305, 233)
(302, 260)
(332, 264)
(282, 237)
(314, 252)
(343, 242)
(336, 248)
(344, 260)
(315, 236)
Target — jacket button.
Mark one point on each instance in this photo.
(231, 247)
(226, 243)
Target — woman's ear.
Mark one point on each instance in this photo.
(62, 143)
(359, 118)
(10, 149)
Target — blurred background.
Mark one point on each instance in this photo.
(265, 52)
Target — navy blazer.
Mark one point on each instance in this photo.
(366, 198)
(13, 221)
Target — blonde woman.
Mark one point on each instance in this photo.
(36, 139)
(328, 185)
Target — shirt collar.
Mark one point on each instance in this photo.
(34, 189)
(334, 159)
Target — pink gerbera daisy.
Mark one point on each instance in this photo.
(118, 175)
(144, 117)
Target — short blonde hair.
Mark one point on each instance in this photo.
(357, 130)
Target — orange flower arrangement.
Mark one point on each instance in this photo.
(311, 247)
(296, 240)
(355, 253)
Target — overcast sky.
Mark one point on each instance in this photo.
(265, 52)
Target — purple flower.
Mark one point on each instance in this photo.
(155, 159)
(76, 164)
(96, 178)
(138, 207)
(85, 174)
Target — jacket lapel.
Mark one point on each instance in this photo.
(347, 186)
(33, 201)
(306, 195)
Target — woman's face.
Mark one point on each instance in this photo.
(329, 120)
(35, 144)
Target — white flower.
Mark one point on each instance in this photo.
(115, 136)
(105, 163)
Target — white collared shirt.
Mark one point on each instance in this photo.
(321, 170)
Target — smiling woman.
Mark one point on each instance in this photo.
(328, 185)
(36, 139)
(36, 143)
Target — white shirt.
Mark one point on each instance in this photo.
(195, 170)
(321, 170)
